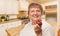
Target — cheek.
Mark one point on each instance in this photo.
(31, 14)
(39, 14)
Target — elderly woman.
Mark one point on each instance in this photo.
(36, 26)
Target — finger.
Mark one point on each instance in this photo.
(36, 28)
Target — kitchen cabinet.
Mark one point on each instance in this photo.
(8, 25)
(12, 7)
(59, 32)
(22, 14)
(51, 15)
(2, 7)
(8, 7)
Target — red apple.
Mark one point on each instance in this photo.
(39, 22)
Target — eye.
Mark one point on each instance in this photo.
(38, 11)
(32, 11)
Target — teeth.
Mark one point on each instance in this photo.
(35, 16)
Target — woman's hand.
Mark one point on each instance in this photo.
(38, 30)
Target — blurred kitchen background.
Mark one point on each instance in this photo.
(16, 10)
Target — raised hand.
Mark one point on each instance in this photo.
(38, 28)
(39, 22)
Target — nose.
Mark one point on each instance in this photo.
(35, 13)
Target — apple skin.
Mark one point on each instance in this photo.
(39, 22)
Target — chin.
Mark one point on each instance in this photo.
(35, 19)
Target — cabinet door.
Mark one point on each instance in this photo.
(12, 7)
(8, 7)
(59, 32)
(2, 7)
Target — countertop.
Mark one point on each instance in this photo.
(11, 20)
(10, 27)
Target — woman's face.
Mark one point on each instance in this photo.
(35, 13)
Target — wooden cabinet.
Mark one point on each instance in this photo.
(51, 15)
(59, 32)
(22, 14)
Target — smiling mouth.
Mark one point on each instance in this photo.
(36, 16)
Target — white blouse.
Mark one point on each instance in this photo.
(29, 30)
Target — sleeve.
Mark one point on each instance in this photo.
(49, 32)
